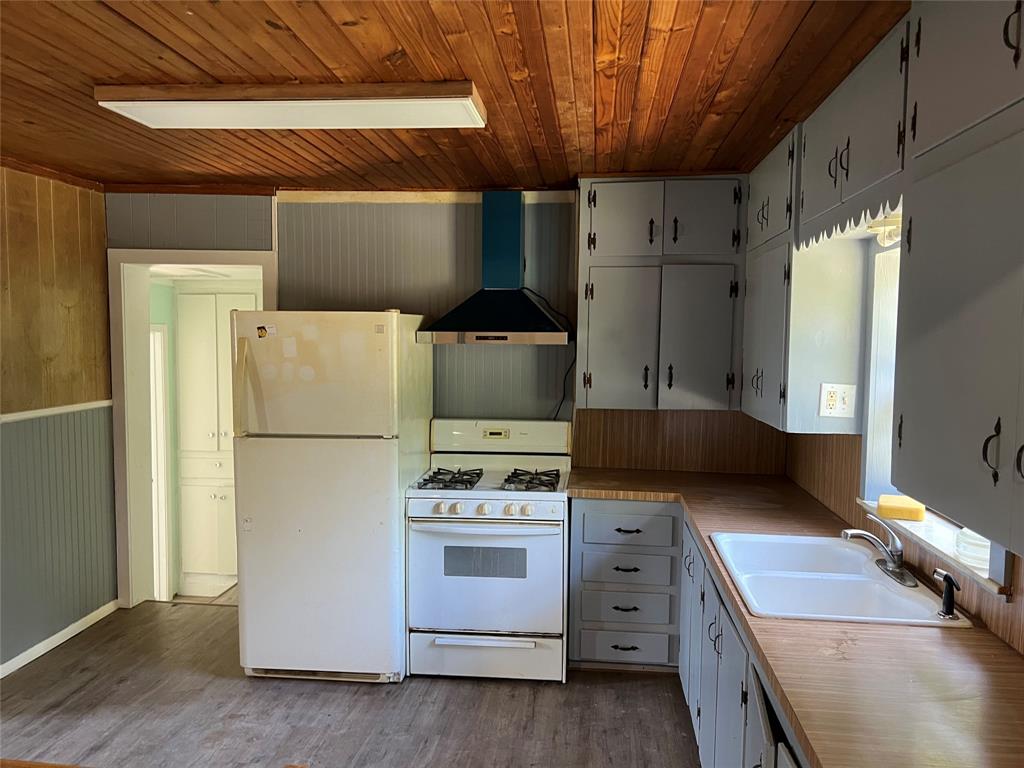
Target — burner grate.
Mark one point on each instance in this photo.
(451, 479)
(531, 480)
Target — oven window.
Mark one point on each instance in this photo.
(485, 562)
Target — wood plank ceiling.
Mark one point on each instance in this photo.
(570, 87)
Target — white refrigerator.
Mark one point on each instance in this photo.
(332, 419)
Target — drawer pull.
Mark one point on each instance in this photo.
(629, 530)
(620, 569)
(618, 647)
(631, 609)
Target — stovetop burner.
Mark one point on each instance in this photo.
(451, 479)
(535, 480)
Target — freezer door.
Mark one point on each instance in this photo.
(315, 373)
(320, 555)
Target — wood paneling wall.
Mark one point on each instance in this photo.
(828, 467)
(53, 294)
(698, 441)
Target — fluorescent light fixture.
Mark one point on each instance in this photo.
(296, 107)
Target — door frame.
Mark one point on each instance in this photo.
(159, 413)
(133, 507)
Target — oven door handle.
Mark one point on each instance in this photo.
(484, 642)
(488, 529)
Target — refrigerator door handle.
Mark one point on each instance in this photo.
(484, 642)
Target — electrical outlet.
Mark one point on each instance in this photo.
(837, 400)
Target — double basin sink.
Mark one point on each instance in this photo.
(825, 579)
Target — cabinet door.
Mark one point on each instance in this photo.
(752, 287)
(819, 168)
(961, 70)
(227, 547)
(958, 353)
(626, 218)
(767, 337)
(695, 351)
(696, 633)
(197, 372)
(769, 209)
(872, 108)
(622, 341)
(200, 516)
(226, 302)
(1017, 470)
(784, 758)
(702, 216)
(686, 596)
(758, 742)
(707, 704)
(730, 707)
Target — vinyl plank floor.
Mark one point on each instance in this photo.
(160, 685)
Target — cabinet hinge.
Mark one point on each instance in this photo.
(698, 714)
(899, 433)
(910, 233)
(702, 594)
(789, 154)
(782, 393)
(591, 241)
(789, 210)
(588, 380)
(913, 123)
(588, 291)
(737, 194)
(904, 53)
(917, 38)
(734, 288)
(736, 238)
(592, 199)
(730, 380)
(901, 137)
(801, 201)
(803, 149)
(743, 695)
(785, 273)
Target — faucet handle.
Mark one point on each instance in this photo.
(895, 545)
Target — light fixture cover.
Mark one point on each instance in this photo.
(296, 107)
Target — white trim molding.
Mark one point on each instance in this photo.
(53, 641)
(325, 196)
(55, 411)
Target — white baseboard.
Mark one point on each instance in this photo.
(204, 584)
(53, 641)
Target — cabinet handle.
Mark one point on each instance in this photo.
(767, 211)
(650, 232)
(626, 570)
(996, 431)
(211, 434)
(1015, 47)
(832, 172)
(760, 379)
(845, 164)
(223, 498)
(631, 609)
(647, 372)
(1020, 461)
(710, 626)
(718, 645)
(213, 496)
(618, 647)
(670, 375)
(629, 530)
(675, 229)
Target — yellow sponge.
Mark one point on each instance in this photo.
(900, 507)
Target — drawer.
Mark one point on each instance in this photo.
(529, 658)
(193, 467)
(627, 647)
(631, 607)
(623, 568)
(645, 530)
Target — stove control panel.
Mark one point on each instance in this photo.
(496, 509)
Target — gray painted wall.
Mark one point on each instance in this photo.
(224, 222)
(425, 258)
(56, 524)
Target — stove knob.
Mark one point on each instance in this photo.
(439, 508)
(510, 509)
(526, 510)
(483, 509)
(455, 509)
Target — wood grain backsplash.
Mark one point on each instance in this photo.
(699, 441)
(53, 293)
(828, 467)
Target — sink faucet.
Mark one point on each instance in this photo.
(891, 562)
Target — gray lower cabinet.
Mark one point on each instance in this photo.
(624, 572)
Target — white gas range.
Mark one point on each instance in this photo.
(487, 551)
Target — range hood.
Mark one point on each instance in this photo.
(503, 311)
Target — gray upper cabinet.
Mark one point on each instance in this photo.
(958, 392)
(696, 336)
(854, 139)
(770, 206)
(963, 67)
(764, 334)
(626, 218)
(702, 216)
(622, 343)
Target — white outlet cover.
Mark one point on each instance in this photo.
(838, 400)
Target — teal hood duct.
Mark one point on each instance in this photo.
(503, 311)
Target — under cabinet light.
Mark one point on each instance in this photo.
(297, 107)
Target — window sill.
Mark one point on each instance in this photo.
(938, 536)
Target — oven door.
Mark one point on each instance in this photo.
(486, 576)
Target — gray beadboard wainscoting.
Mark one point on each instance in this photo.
(56, 524)
(425, 258)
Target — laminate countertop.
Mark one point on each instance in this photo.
(856, 695)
